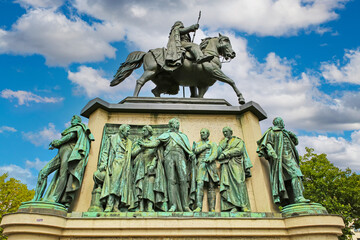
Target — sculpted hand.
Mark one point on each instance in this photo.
(196, 26)
(222, 156)
(151, 169)
(55, 143)
(208, 146)
(192, 156)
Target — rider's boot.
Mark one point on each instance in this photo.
(199, 56)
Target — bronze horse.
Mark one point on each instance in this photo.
(199, 77)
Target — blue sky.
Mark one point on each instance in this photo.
(297, 59)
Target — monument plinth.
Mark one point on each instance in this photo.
(265, 221)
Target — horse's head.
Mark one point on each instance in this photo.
(225, 48)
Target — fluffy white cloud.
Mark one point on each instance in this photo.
(37, 164)
(27, 174)
(90, 82)
(296, 98)
(40, 3)
(62, 40)
(7, 129)
(42, 137)
(349, 72)
(25, 97)
(263, 17)
(339, 151)
(23, 174)
(59, 39)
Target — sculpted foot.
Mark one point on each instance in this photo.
(197, 209)
(301, 200)
(234, 209)
(187, 209)
(108, 209)
(173, 208)
(204, 59)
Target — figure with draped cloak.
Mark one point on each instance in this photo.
(69, 165)
(150, 180)
(278, 146)
(235, 167)
(178, 159)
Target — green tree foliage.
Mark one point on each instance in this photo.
(12, 194)
(337, 190)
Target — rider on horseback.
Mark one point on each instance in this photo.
(179, 42)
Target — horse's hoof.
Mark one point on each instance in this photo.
(241, 100)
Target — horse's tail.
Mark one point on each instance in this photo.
(132, 62)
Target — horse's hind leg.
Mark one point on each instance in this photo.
(147, 75)
(150, 68)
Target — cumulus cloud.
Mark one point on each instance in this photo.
(347, 73)
(7, 129)
(42, 137)
(63, 39)
(27, 174)
(339, 151)
(40, 3)
(23, 174)
(37, 164)
(280, 92)
(59, 39)
(25, 97)
(91, 83)
(263, 17)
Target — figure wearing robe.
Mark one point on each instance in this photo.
(235, 168)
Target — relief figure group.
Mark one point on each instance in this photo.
(164, 173)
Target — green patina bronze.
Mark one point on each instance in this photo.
(206, 174)
(178, 158)
(137, 169)
(301, 209)
(277, 145)
(69, 165)
(235, 168)
(150, 180)
(183, 63)
(115, 164)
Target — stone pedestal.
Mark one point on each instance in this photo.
(264, 222)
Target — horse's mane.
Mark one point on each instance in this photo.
(204, 42)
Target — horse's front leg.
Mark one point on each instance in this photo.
(219, 75)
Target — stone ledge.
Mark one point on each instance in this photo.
(167, 105)
(56, 228)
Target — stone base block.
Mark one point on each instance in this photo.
(299, 209)
(114, 226)
(43, 208)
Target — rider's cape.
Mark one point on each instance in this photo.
(175, 51)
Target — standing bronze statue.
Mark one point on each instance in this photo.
(176, 157)
(69, 164)
(150, 181)
(277, 145)
(118, 184)
(206, 154)
(235, 168)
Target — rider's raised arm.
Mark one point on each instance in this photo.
(186, 30)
